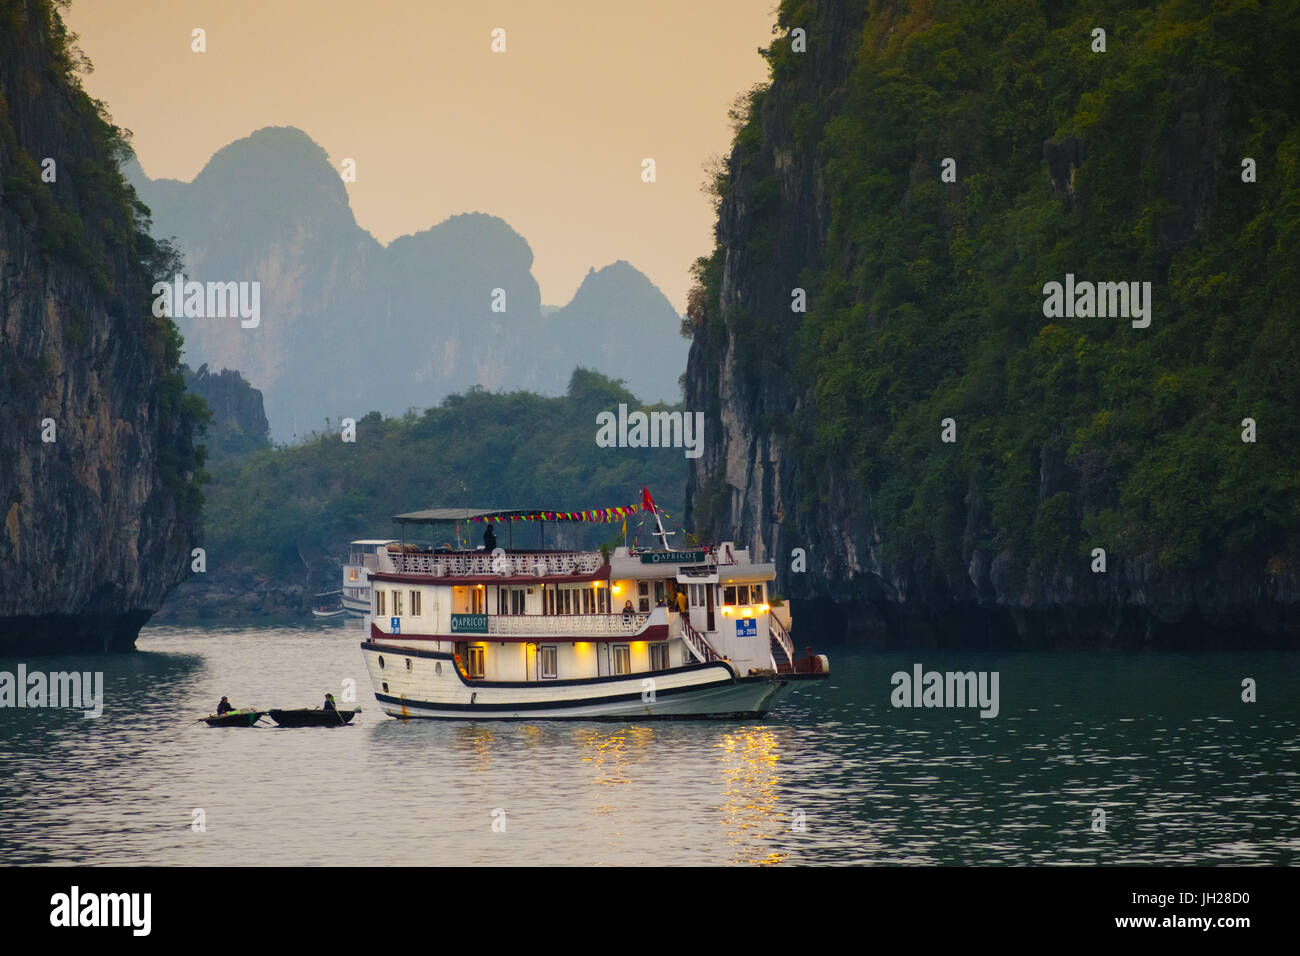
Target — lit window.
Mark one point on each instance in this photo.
(729, 595)
(549, 662)
(756, 594)
(622, 659)
(475, 661)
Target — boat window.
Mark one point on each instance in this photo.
(385, 687)
(659, 657)
(415, 603)
(742, 594)
(602, 601)
(729, 595)
(408, 663)
(756, 593)
(379, 603)
(643, 602)
(549, 661)
(381, 661)
(586, 602)
(476, 600)
(622, 659)
(568, 600)
(397, 603)
(475, 661)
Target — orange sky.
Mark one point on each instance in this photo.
(549, 135)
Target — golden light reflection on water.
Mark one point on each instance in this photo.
(611, 753)
(478, 740)
(751, 813)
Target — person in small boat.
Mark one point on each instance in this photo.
(489, 539)
(225, 706)
(329, 703)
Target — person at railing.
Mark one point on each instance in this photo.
(489, 539)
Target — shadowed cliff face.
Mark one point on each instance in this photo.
(821, 438)
(99, 521)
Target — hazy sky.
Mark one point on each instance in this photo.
(549, 135)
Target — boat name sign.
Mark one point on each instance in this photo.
(469, 624)
(672, 557)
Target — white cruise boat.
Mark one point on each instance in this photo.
(362, 560)
(528, 634)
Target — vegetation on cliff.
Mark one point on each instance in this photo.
(91, 218)
(925, 297)
(292, 510)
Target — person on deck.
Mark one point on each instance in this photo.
(489, 539)
(681, 602)
(329, 703)
(627, 607)
(225, 706)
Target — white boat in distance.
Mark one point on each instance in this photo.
(356, 574)
(545, 634)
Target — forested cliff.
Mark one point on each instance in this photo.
(890, 387)
(97, 465)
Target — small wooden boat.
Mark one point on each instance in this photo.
(329, 604)
(312, 718)
(235, 718)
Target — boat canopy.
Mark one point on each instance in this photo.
(494, 515)
(440, 515)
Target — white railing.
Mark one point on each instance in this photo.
(701, 648)
(565, 624)
(535, 564)
(776, 628)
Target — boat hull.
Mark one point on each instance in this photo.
(235, 718)
(433, 687)
(312, 718)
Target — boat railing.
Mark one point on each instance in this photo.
(458, 564)
(566, 624)
(703, 651)
(777, 630)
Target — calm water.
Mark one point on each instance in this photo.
(1186, 772)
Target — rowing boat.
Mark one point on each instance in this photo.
(235, 718)
(312, 718)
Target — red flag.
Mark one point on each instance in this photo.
(646, 501)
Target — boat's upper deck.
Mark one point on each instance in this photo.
(698, 565)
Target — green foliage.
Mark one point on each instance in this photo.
(929, 304)
(509, 450)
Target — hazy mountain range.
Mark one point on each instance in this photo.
(348, 325)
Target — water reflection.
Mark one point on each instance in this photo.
(1186, 772)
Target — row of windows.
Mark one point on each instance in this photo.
(731, 594)
(548, 659)
(382, 603)
(580, 600)
(743, 594)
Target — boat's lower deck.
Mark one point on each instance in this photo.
(417, 683)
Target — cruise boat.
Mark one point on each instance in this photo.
(362, 560)
(499, 633)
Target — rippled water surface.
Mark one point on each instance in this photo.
(1186, 772)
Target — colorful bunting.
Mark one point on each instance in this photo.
(603, 515)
